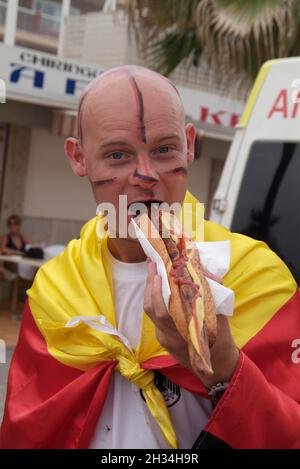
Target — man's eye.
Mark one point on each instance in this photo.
(164, 149)
(116, 155)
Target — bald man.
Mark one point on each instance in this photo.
(99, 362)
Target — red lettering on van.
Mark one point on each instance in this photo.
(296, 106)
(280, 105)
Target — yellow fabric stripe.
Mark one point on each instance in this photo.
(262, 283)
(260, 280)
(78, 283)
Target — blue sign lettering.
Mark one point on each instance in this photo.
(27, 72)
(73, 85)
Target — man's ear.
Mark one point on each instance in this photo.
(190, 138)
(74, 152)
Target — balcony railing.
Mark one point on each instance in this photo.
(36, 22)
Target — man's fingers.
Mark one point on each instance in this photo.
(148, 306)
(161, 312)
(154, 304)
(158, 301)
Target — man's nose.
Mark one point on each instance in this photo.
(144, 174)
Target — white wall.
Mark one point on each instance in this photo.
(51, 189)
(199, 179)
(96, 38)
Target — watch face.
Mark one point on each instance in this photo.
(217, 392)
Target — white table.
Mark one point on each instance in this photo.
(15, 259)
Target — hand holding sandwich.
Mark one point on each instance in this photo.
(224, 353)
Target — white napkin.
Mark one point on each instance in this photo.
(215, 258)
(101, 324)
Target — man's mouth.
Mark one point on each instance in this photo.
(142, 206)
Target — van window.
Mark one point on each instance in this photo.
(268, 205)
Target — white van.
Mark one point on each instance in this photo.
(259, 190)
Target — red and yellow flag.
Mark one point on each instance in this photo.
(59, 376)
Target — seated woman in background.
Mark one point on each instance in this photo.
(13, 242)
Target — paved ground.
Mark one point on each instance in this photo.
(9, 327)
(9, 332)
(3, 378)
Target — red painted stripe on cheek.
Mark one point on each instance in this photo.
(102, 182)
(177, 172)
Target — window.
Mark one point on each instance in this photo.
(3, 6)
(268, 206)
(48, 8)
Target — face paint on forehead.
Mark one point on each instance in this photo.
(138, 97)
(140, 106)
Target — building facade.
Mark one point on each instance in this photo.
(50, 51)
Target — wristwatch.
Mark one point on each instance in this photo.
(216, 392)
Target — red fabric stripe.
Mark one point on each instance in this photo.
(162, 361)
(50, 405)
(271, 349)
(261, 407)
(176, 373)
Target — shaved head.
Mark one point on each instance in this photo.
(132, 141)
(123, 80)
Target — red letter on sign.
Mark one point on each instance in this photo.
(296, 105)
(280, 105)
(205, 114)
(234, 120)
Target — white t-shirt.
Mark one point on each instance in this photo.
(126, 422)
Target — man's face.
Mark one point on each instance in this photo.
(135, 142)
